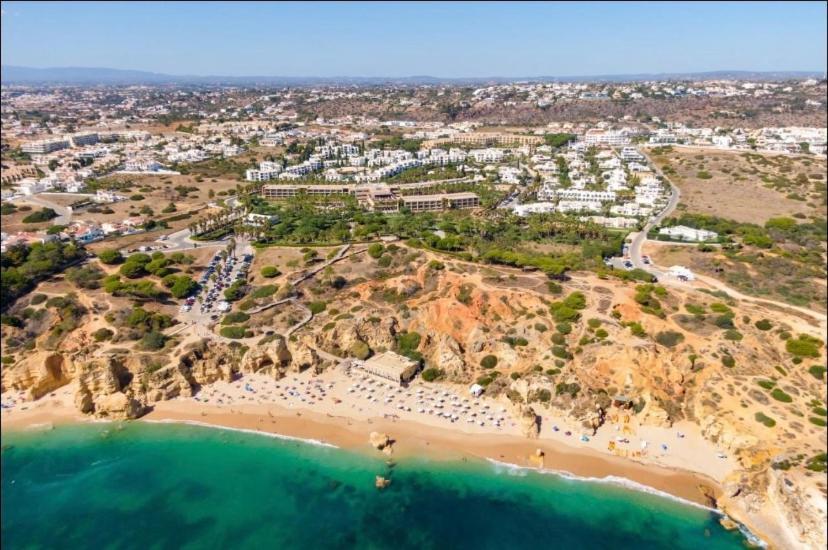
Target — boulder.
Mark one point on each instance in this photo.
(270, 358)
(379, 441)
(302, 356)
(381, 482)
(529, 421)
(118, 405)
(449, 355)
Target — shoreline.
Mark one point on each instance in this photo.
(674, 484)
(689, 473)
(410, 439)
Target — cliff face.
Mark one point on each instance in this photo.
(619, 348)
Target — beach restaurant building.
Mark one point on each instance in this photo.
(391, 366)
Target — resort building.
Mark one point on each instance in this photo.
(391, 366)
(44, 146)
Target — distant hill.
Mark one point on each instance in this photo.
(10, 74)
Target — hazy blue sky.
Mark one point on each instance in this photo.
(402, 39)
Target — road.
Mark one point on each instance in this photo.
(64, 212)
(640, 238)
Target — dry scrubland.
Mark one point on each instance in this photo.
(745, 187)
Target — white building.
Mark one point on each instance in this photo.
(685, 233)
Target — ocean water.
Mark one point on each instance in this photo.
(151, 486)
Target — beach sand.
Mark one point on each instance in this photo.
(342, 410)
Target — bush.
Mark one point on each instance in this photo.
(780, 395)
(637, 329)
(558, 338)
(317, 307)
(669, 338)
(766, 384)
(728, 361)
(110, 256)
(561, 352)
(38, 299)
(360, 350)
(39, 216)
(235, 291)
(153, 341)
(764, 419)
(564, 328)
(183, 286)
(554, 287)
(136, 197)
(436, 266)
(264, 291)
(817, 371)
(695, 309)
(235, 317)
(732, 335)
(568, 389)
(804, 346)
(817, 421)
(234, 332)
(132, 270)
(270, 272)
(432, 374)
(489, 362)
(540, 327)
(85, 277)
(376, 250)
(102, 334)
(764, 324)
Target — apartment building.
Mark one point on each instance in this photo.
(584, 195)
(283, 192)
(487, 155)
(440, 202)
(80, 139)
(45, 146)
(631, 154)
(613, 138)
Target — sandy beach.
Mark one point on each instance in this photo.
(441, 420)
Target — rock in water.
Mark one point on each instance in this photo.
(379, 441)
(381, 482)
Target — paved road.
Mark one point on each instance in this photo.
(640, 238)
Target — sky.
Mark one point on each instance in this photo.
(462, 39)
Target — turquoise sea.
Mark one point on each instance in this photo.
(146, 486)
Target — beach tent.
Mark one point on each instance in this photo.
(476, 390)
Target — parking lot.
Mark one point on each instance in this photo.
(208, 303)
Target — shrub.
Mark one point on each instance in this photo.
(564, 328)
(317, 307)
(695, 309)
(235, 291)
(540, 327)
(767, 384)
(568, 389)
(733, 335)
(235, 317)
(763, 324)
(804, 346)
(558, 338)
(637, 329)
(554, 287)
(153, 341)
(594, 323)
(183, 286)
(724, 322)
(132, 270)
(489, 362)
(764, 419)
(136, 197)
(234, 332)
(780, 395)
(39, 216)
(817, 371)
(270, 271)
(669, 338)
(385, 261)
(110, 256)
(728, 361)
(435, 265)
(601, 333)
(432, 374)
(375, 250)
(561, 352)
(360, 350)
(563, 313)
(817, 421)
(264, 291)
(38, 299)
(518, 341)
(102, 334)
